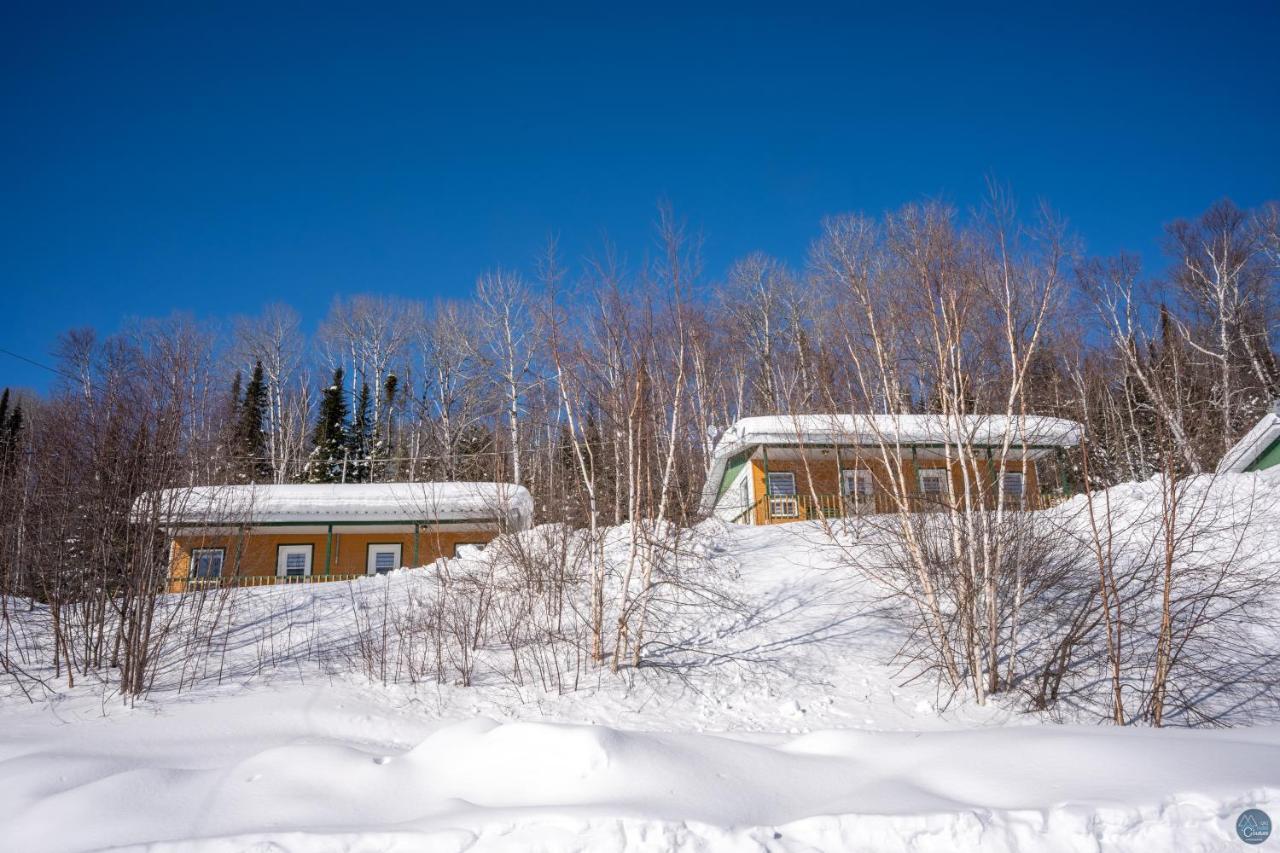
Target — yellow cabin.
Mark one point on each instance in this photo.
(768, 470)
(267, 534)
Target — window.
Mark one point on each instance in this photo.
(933, 483)
(383, 558)
(858, 484)
(782, 483)
(782, 495)
(1014, 484)
(293, 561)
(207, 562)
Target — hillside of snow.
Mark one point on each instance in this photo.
(774, 712)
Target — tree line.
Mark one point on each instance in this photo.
(602, 385)
(603, 389)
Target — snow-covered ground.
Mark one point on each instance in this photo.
(779, 723)
(340, 767)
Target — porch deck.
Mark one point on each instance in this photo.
(186, 584)
(780, 509)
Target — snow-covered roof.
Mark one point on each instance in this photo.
(887, 430)
(334, 502)
(1243, 453)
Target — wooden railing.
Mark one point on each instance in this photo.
(776, 509)
(182, 584)
(808, 507)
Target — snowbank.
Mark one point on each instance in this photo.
(777, 721)
(308, 768)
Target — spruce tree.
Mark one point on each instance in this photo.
(13, 426)
(10, 429)
(474, 453)
(384, 439)
(250, 438)
(230, 463)
(329, 439)
(360, 440)
(234, 405)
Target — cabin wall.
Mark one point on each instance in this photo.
(822, 476)
(730, 505)
(254, 554)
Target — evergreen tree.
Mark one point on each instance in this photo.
(389, 389)
(329, 440)
(233, 405)
(13, 427)
(473, 453)
(384, 439)
(250, 437)
(230, 465)
(360, 439)
(10, 434)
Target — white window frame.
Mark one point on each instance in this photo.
(857, 483)
(1021, 494)
(782, 504)
(282, 559)
(373, 549)
(941, 474)
(197, 553)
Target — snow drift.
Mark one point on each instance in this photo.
(302, 769)
(771, 716)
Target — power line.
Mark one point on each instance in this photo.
(38, 364)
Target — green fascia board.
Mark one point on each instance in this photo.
(1267, 458)
(731, 470)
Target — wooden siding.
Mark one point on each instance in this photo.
(823, 478)
(254, 554)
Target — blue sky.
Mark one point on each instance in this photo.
(160, 159)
